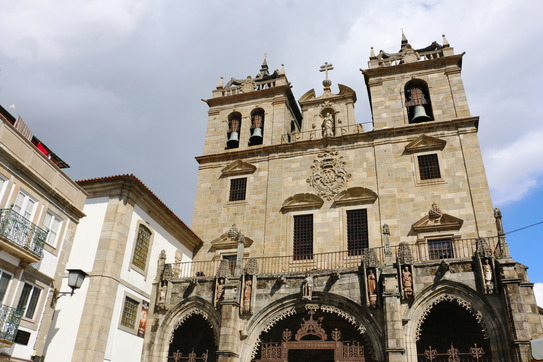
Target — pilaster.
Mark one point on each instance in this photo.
(229, 336)
(394, 344)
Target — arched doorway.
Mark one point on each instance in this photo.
(451, 331)
(313, 336)
(193, 340)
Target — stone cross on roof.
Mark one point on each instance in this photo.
(325, 68)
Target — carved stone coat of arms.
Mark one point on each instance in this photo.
(329, 174)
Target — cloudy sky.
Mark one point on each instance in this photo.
(115, 86)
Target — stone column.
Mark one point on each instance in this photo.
(394, 344)
(229, 335)
(524, 322)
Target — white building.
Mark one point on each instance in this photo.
(118, 244)
(40, 208)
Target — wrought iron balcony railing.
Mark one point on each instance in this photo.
(431, 251)
(22, 232)
(9, 322)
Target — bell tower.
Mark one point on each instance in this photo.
(416, 85)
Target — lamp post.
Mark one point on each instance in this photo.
(75, 280)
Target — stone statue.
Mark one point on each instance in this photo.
(407, 281)
(328, 126)
(499, 224)
(177, 265)
(246, 303)
(372, 286)
(219, 290)
(162, 291)
(307, 291)
(487, 274)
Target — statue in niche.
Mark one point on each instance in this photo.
(372, 287)
(307, 291)
(328, 126)
(162, 292)
(219, 290)
(246, 302)
(487, 274)
(407, 281)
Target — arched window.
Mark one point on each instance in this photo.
(234, 126)
(417, 101)
(257, 127)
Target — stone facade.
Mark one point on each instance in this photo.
(383, 236)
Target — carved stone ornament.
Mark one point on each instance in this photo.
(370, 259)
(251, 268)
(436, 220)
(483, 250)
(224, 269)
(233, 233)
(328, 174)
(404, 254)
(311, 327)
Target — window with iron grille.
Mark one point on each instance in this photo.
(440, 249)
(429, 167)
(303, 237)
(141, 249)
(130, 312)
(238, 188)
(357, 231)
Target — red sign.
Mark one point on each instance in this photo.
(143, 318)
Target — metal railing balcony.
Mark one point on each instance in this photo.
(9, 323)
(424, 252)
(22, 232)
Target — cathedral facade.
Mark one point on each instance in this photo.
(325, 241)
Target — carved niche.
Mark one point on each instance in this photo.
(328, 174)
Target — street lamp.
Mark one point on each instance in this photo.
(75, 280)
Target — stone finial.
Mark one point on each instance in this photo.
(483, 249)
(435, 213)
(445, 42)
(251, 268)
(386, 229)
(234, 232)
(220, 85)
(372, 54)
(404, 39)
(282, 70)
(499, 224)
(370, 259)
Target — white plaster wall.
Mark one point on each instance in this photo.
(20, 351)
(63, 332)
(162, 241)
(88, 235)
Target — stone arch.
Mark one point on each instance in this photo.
(179, 314)
(352, 313)
(492, 325)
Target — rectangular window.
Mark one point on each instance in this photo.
(440, 249)
(52, 223)
(5, 278)
(142, 247)
(357, 231)
(130, 313)
(303, 237)
(429, 167)
(24, 205)
(238, 189)
(29, 300)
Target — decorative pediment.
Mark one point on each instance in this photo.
(238, 167)
(437, 221)
(302, 202)
(355, 196)
(425, 143)
(225, 242)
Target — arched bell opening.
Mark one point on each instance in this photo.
(234, 127)
(313, 336)
(257, 127)
(418, 102)
(450, 329)
(193, 338)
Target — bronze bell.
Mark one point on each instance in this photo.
(233, 141)
(256, 137)
(419, 115)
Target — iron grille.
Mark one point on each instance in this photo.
(142, 247)
(238, 188)
(357, 231)
(9, 322)
(440, 249)
(130, 312)
(303, 237)
(21, 231)
(429, 167)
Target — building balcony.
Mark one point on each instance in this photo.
(433, 251)
(9, 323)
(20, 237)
